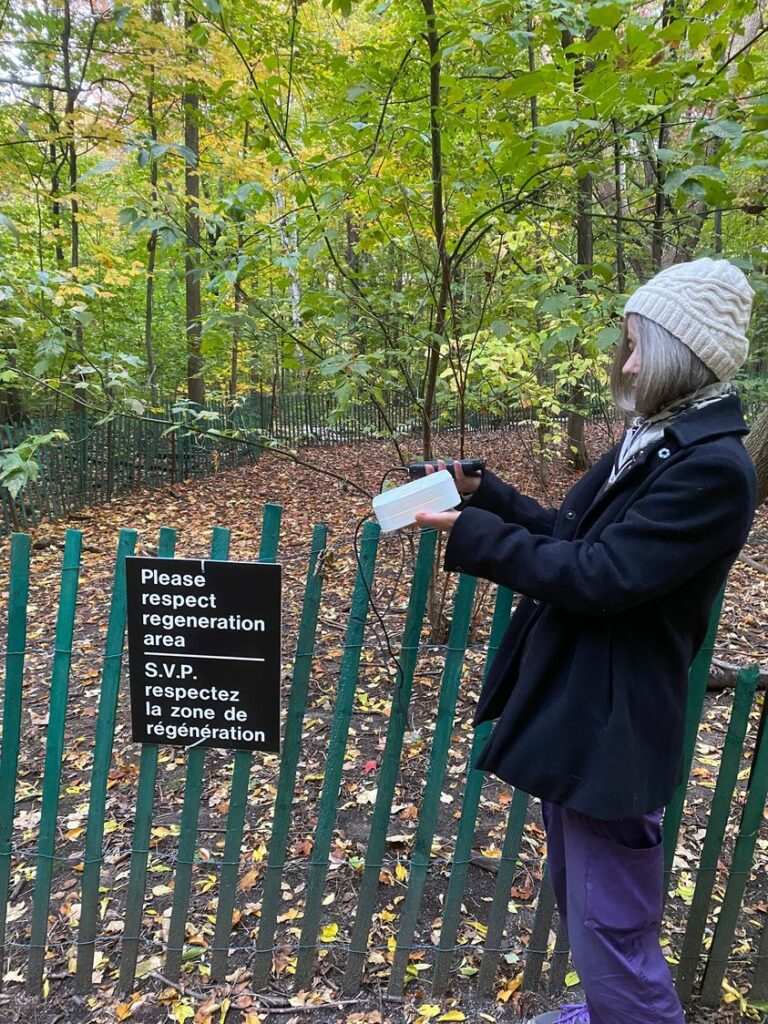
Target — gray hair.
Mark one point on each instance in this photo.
(668, 369)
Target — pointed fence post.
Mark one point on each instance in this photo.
(697, 689)
(102, 759)
(430, 804)
(238, 794)
(741, 863)
(54, 750)
(469, 808)
(337, 743)
(730, 761)
(142, 832)
(12, 699)
(390, 762)
(281, 821)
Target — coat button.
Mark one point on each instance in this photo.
(570, 514)
(664, 453)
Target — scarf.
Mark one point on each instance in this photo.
(648, 431)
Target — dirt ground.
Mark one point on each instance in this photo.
(234, 499)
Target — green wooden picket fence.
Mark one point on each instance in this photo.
(116, 866)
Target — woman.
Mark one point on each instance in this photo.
(589, 684)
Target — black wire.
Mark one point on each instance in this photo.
(400, 684)
(394, 469)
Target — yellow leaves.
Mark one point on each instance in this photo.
(453, 1015)
(401, 872)
(125, 1010)
(571, 979)
(733, 995)
(182, 1011)
(426, 1012)
(329, 933)
(511, 985)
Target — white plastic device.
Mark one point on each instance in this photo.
(398, 506)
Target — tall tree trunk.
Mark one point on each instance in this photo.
(756, 444)
(621, 278)
(438, 227)
(289, 238)
(149, 312)
(543, 438)
(193, 303)
(578, 459)
(70, 149)
(353, 262)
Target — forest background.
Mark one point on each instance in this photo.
(219, 199)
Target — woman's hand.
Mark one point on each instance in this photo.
(464, 484)
(438, 520)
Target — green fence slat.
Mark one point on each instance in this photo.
(102, 759)
(294, 723)
(430, 804)
(697, 689)
(190, 814)
(337, 743)
(54, 750)
(743, 852)
(558, 967)
(238, 793)
(510, 849)
(142, 831)
(16, 634)
(469, 809)
(390, 761)
(758, 993)
(542, 923)
(713, 841)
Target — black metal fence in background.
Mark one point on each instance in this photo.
(103, 459)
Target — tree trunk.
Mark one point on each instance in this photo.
(756, 444)
(438, 227)
(578, 459)
(157, 17)
(193, 303)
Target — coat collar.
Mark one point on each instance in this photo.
(714, 420)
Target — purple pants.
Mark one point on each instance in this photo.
(608, 878)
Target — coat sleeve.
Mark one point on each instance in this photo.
(696, 511)
(506, 502)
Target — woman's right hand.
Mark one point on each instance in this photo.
(464, 484)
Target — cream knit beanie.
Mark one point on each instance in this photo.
(706, 304)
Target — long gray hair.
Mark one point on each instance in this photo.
(668, 369)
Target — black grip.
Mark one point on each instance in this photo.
(469, 467)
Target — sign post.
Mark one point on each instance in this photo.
(204, 652)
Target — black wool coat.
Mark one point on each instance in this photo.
(589, 684)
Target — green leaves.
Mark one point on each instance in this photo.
(18, 465)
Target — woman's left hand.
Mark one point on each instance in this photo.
(438, 520)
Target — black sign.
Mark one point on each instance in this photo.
(204, 652)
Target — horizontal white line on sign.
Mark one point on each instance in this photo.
(215, 657)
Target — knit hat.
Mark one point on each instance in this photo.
(706, 304)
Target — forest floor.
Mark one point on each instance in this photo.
(234, 499)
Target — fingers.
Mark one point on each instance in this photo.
(458, 472)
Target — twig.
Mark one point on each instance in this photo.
(178, 985)
(753, 563)
(315, 1007)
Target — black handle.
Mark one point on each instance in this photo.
(470, 467)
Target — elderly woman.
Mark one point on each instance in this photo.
(589, 685)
